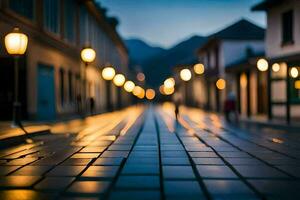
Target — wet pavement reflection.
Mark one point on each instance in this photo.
(144, 153)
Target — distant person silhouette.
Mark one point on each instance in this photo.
(177, 102)
(230, 108)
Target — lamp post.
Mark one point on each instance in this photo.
(108, 74)
(88, 55)
(119, 81)
(16, 45)
(186, 75)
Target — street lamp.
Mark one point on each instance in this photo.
(129, 86)
(170, 82)
(262, 65)
(88, 56)
(221, 84)
(108, 74)
(119, 81)
(199, 68)
(150, 94)
(186, 75)
(16, 45)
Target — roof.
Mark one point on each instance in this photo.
(240, 30)
(265, 5)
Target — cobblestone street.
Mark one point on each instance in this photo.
(142, 153)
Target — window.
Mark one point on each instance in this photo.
(69, 16)
(51, 15)
(62, 86)
(288, 27)
(70, 79)
(23, 7)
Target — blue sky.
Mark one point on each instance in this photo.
(166, 22)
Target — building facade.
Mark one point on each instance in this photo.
(53, 80)
(223, 49)
(283, 55)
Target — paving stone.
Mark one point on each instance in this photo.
(31, 171)
(175, 161)
(225, 187)
(201, 154)
(178, 172)
(278, 189)
(212, 171)
(4, 170)
(108, 161)
(115, 147)
(18, 181)
(138, 182)
(93, 149)
(21, 161)
(77, 161)
(234, 154)
(208, 161)
(259, 172)
(66, 171)
(22, 194)
(292, 170)
(135, 195)
(140, 169)
(142, 161)
(89, 187)
(172, 154)
(54, 183)
(98, 172)
(86, 155)
(183, 190)
(244, 161)
(115, 154)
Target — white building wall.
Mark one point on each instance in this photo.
(274, 46)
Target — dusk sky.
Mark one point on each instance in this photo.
(166, 22)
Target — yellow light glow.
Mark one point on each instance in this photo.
(185, 74)
(199, 68)
(243, 80)
(262, 65)
(275, 67)
(297, 85)
(108, 73)
(161, 89)
(150, 94)
(88, 55)
(141, 94)
(294, 72)
(137, 90)
(168, 91)
(119, 80)
(129, 86)
(221, 84)
(16, 42)
(169, 83)
(140, 76)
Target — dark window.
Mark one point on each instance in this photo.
(70, 79)
(23, 7)
(295, 90)
(62, 86)
(208, 59)
(69, 16)
(83, 24)
(288, 27)
(217, 56)
(51, 15)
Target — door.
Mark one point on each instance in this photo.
(46, 93)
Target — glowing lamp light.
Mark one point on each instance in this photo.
(262, 65)
(129, 86)
(169, 83)
(161, 89)
(137, 90)
(150, 94)
(185, 74)
(108, 73)
(221, 84)
(88, 55)
(199, 68)
(16, 42)
(275, 67)
(141, 95)
(119, 80)
(294, 72)
(168, 91)
(297, 85)
(140, 76)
